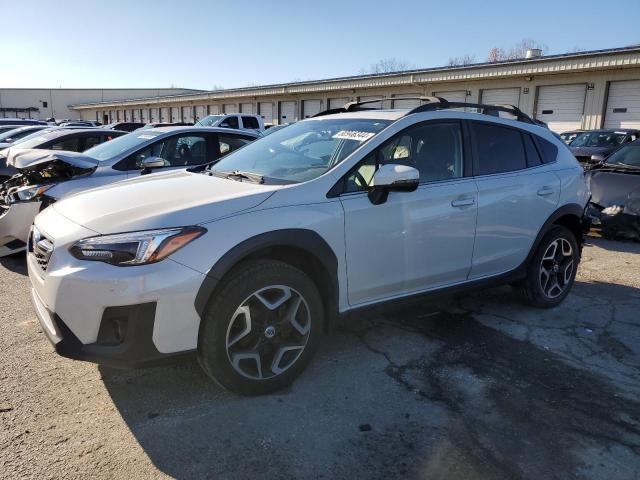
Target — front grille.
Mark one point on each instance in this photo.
(41, 248)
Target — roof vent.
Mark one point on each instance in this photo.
(533, 53)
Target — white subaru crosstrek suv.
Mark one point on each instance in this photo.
(248, 262)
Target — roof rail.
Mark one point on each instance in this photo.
(435, 103)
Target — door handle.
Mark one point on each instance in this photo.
(463, 202)
(546, 190)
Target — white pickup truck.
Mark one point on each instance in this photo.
(238, 121)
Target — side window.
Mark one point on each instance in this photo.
(135, 161)
(548, 150)
(499, 149)
(71, 144)
(250, 122)
(533, 157)
(435, 149)
(185, 150)
(229, 143)
(92, 141)
(230, 122)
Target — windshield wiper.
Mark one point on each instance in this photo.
(239, 174)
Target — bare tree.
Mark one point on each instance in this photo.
(464, 60)
(519, 50)
(217, 87)
(386, 65)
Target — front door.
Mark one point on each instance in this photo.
(418, 240)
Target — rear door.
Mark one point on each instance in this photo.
(516, 195)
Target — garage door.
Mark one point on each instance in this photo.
(175, 114)
(136, 114)
(246, 107)
(311, 107)
(561, 106)
(501, 96)
(201, 112)
(623, 105)
(145, 115)
(409, 103)
(371, 97)
(187, 114)
(266, 111)
(214, 109)
(287, 112)
(338, 102)
(164, 114)
(127, 115)
(453, 96)
(230, 108)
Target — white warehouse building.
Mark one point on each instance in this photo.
(583, 90)
(43, 103)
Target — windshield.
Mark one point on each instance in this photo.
(302, 151)
(35, 139)
(599, 139)
(210, 120)
(115, 147)
(16, 133)
(629, 156)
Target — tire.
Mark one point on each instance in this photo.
(268, 352)
(538, 287)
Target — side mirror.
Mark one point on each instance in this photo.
(150, 163)
(392, 177)
(597, 158)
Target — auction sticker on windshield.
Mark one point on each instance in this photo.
(354, 135)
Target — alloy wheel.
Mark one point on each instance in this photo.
(268, 332)
(556, 268)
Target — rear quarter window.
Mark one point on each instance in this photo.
(548, 150)
(498, 149)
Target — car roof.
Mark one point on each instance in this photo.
(197, 129)
(611, 130)
(377, 114)
(61, 131)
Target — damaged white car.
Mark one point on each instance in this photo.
(45, 176)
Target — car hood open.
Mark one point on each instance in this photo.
(161, 200)
(24, 159)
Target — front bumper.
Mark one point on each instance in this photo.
(78, 302)
(131, 348)
(15, 225)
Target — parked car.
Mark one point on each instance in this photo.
(125, 126)
(274, 128)
(15, 134)
(46, 176)
(248, 261)
(238, 121)
(53, 138)
(568, 137)
(20, 121)
(80, 123)
(600, 142)
(6, 128)
(614, 183)
(165, 124)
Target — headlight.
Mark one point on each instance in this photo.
(135, 248)
(30, 193)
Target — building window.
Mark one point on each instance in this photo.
(45, 104)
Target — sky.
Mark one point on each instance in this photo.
(210, 44)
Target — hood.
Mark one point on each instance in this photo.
(611, 188)
(161, 200)
(24, 159)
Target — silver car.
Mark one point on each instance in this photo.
(45, 176)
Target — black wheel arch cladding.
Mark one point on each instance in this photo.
(308, 242)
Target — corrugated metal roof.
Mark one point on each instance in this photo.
(560, 63)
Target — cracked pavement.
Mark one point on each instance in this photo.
(474, 386)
